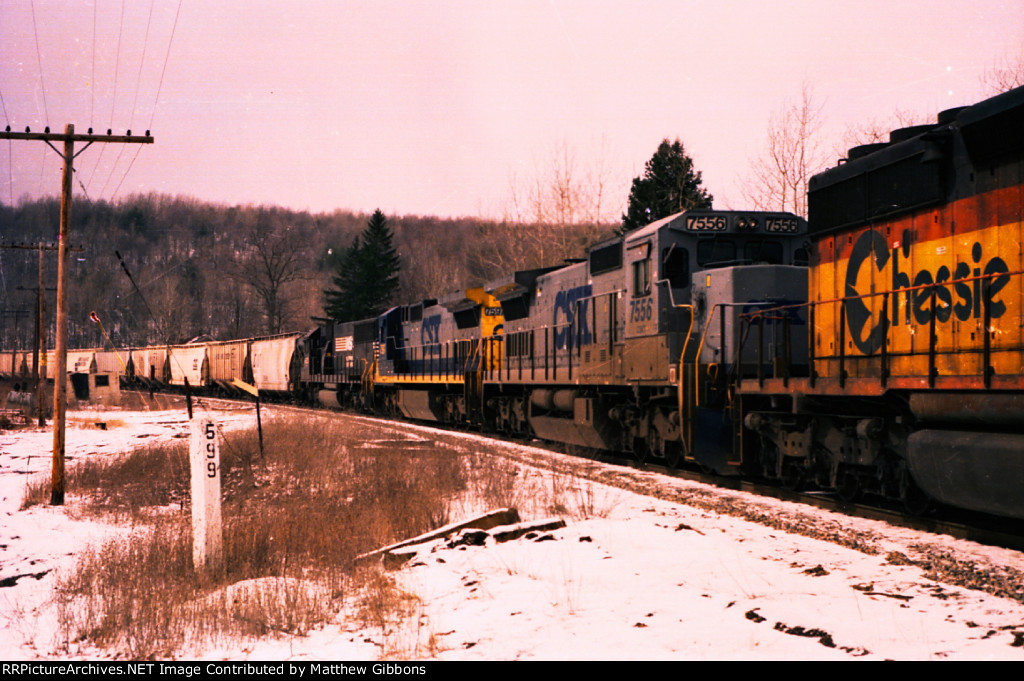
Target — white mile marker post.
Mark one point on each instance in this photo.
(207, 535)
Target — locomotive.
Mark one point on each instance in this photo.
(601, 353)
(874, 349)
(915, 364)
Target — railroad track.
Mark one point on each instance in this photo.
(951, 522)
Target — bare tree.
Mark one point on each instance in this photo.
(563, 193)
(1005, 75)
(552, 216)
(778, 177)
(876, 130)
(273, 259)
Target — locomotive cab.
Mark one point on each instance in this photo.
(706, 272)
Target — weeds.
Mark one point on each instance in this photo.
(294, 520)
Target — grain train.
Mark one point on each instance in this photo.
(874, 349)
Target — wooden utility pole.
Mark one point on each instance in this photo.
(60, 371)
(39, 351)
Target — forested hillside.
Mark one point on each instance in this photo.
(237, 271)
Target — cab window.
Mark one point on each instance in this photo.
(716, 252)
(675, 266)
(642, 278)
(763, 250)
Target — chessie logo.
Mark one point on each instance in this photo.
(974, 285)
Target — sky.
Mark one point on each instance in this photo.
(630, 577)
(441, 107)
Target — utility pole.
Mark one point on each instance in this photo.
(39, 352)
(60, 372)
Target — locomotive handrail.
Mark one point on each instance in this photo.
(550, 353)
(612, 322)
(721, 349)
(680, 393)
(883, 351)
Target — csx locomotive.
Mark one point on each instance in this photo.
(877, 348)
(631, 349)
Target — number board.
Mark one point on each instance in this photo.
(207, 537)
(784, 225)
(706, 223)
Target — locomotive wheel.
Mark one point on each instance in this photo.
(849, 488)
(915, 501)
(794, 478)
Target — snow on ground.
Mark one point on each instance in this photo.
(641, 579)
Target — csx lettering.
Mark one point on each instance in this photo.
(971, 296)
(567, 303)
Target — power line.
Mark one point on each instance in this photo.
(167, 57)
(127, 170)
(92, 82)
(39, 58)
(10, 154)
(117, 66)
(142, 61)
(131, 115)
(113, 102)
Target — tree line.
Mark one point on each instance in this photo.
(366, 278)
(165, 269)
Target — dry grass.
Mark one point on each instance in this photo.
(153, 475)
(294, 520)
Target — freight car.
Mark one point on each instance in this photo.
(916, 354)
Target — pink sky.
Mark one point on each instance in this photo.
(434, 107)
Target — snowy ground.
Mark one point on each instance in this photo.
(642, 579)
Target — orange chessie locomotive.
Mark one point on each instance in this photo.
(915, 367)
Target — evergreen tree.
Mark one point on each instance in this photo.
(669, 185)
(342, 301)
(367, 274)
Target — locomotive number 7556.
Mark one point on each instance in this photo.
(641, 310)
